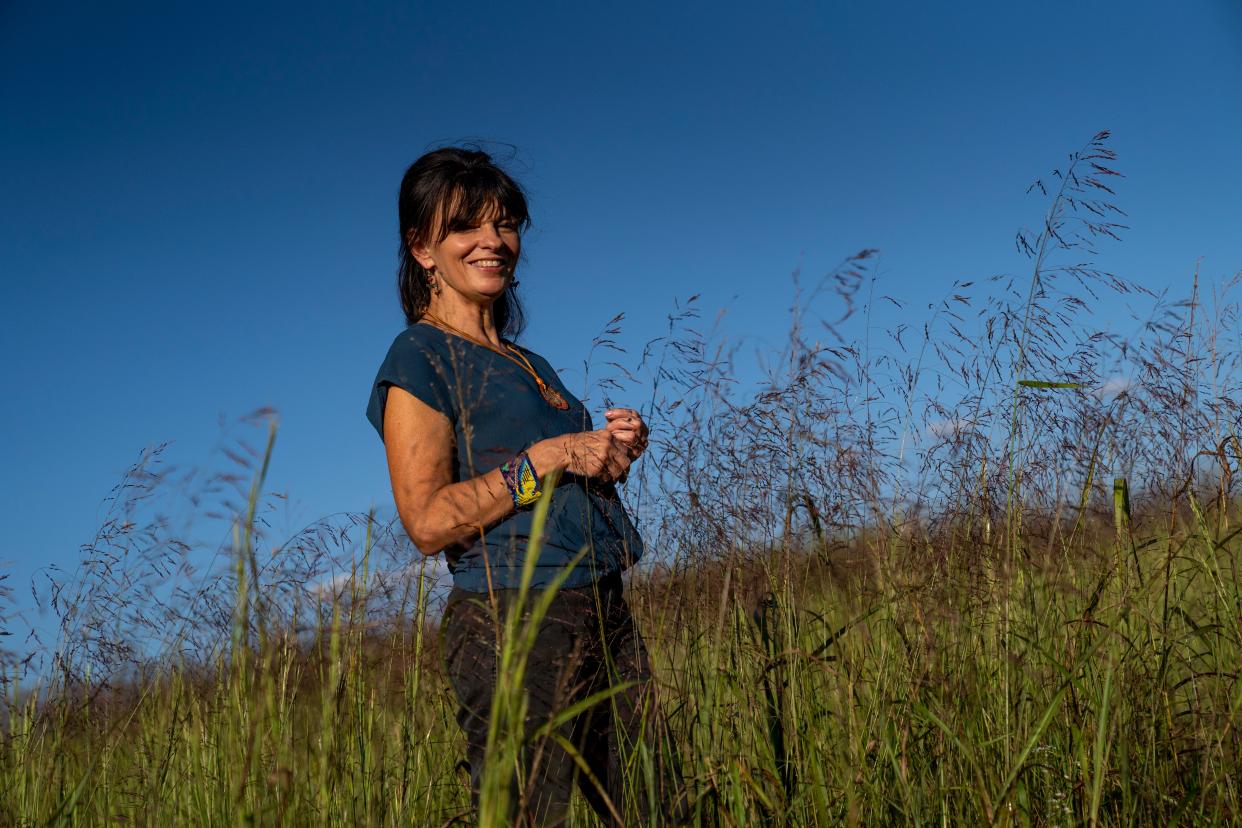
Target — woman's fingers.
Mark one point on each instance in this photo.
(634, 441)
(606, 453)
(625, 418)
(593, 452)
(618, 458)
(622, 466)
(615, 413)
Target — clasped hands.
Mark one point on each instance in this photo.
(604, 455)
(627, 428)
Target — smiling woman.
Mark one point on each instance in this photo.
(445, 198)
(474, 426)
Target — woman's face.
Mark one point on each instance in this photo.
(476, 259)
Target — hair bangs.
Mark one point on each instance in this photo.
(477, 195)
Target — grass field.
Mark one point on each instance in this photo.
(970, 580)
(1098, 690)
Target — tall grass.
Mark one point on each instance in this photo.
(984, 572)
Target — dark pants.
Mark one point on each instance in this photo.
(587, 642)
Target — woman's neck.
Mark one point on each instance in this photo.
(468, 317)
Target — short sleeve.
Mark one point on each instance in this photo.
(413, 364)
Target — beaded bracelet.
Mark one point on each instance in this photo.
(523, 483)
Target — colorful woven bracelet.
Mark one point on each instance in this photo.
(522, 481)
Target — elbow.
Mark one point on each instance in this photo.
(428, 547)
(428, 544)
(428, 541)
(433, 530)
(434, 540)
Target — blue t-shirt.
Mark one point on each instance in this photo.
(497, 412)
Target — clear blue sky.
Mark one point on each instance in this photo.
(197, 202)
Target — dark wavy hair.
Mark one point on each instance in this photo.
(448, 189)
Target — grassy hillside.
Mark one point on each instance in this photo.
(1086, 690)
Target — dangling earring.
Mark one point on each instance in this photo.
(433, 282)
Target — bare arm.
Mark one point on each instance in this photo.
(435, 511)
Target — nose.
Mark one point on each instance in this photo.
(489, 236)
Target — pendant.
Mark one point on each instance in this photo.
(553, 397)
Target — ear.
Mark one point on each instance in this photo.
(420, 252)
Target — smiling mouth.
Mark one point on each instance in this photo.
(489, 264)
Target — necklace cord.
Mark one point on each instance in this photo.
(515, 356)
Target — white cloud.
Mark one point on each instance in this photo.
(1113, 387)
(947, 428)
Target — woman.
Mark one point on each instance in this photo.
(473, 425)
